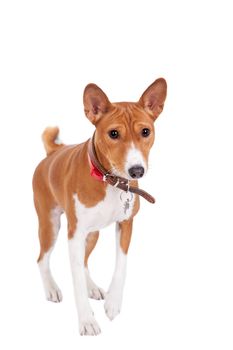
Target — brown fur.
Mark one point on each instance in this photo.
(66, 169)
(49, 137)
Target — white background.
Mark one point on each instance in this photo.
(179, 289)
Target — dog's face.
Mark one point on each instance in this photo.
(125, 131)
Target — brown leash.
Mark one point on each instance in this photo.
(100, 173)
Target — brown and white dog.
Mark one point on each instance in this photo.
(65, 182)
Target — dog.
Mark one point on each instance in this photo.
(95, 184)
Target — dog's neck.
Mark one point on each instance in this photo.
(101, 157)
(101, 173)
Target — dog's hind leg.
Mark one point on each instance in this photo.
(94, 291)
(49, 225)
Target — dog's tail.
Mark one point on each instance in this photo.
(51, 140)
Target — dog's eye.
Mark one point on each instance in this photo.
(145, 132)
(114, 134)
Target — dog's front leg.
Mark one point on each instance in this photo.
(114, 296)
(87, 322)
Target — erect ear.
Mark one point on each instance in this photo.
(96, 103)
(153, 98)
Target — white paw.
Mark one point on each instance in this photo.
(112, 305)
(96, 293)
(89, 326)
(53, 293)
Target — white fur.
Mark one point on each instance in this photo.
(134, 158)
(114, 296)
(52, 291)
(87, 322)
(109, 210)
(58, 141)
(93, 290)
(55, 219)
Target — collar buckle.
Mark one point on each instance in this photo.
(105, 176)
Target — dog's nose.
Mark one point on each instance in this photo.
(136, 172)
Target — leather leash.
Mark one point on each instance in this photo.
(99, 172)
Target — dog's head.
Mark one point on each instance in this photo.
(125, 130)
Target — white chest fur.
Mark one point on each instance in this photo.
(117, 206)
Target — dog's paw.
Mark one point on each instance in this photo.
(53, 293)
(89, 326)
(112, 305)
(96, 293)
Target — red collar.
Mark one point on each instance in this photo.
(95, 172)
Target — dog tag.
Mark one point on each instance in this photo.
(126, 205)
(126, 198)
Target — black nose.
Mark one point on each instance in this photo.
(136, 172)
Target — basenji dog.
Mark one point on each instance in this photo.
(95, 184)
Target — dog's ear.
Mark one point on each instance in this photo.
(96, 103)
(152, 100)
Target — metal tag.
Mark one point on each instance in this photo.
(126, 198)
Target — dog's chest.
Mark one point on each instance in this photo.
(117, 206)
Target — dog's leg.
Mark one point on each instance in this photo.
(94, 291)
(87, 322)
(114, 296)
(91, 241)
(49, 225)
